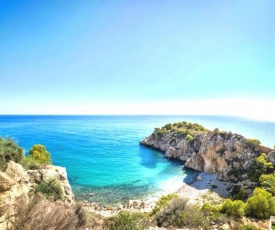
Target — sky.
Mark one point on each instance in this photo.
(138, 57)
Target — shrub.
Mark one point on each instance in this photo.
(241, 195)
(127, 220)
(216, 130)
(268, 182)
(261, 204)
(182, 133)
(189, 138)
(40, 155)
(168, 126)
(233, 172)
(260, 166)
(174, 129)
(253, 142)
(40, 213)
(50, 189)
(163, 200)
(212, 212)
(238, 193)
(177, 214)
(29, 164)
(168, 215)
(9, 150)
(157, 130)
(181, 128)
(234, 208)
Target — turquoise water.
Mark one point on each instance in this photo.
(102, 154)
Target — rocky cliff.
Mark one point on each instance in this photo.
(208, 151)
(17, 183)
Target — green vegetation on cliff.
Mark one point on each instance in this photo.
(234, 208)
(260, 166)
(180, 129)
(261, 204)
(40, 155)
(10, 151)
(51, 189)
(268, 183)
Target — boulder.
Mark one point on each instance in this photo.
(6, 182)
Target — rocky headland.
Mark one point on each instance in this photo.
(226, 154)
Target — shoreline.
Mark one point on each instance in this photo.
(205, 187)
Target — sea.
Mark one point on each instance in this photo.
(105, 162)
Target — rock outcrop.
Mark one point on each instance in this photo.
(207, 151)
(16, 183)
(53, 172)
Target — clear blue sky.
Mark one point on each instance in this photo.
(136, 56)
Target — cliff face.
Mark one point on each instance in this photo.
(207, 151)
(17, 183)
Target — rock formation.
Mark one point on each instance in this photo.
(17, 183)
(207, 151)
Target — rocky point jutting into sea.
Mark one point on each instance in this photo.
(16, 185)
(226, 154)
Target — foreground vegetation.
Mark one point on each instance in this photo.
(10, 151)
(172, 212)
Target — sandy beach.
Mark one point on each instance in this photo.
(207, 188)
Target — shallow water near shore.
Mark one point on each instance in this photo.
(102, 155)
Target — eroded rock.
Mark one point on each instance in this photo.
(16, 184)
(210, 152)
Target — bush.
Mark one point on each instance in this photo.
(177, 214)
(241, 195)
(216, 130)
(50, 189)
(181, 128)
(189, 138)
(38, 154)
(253, 142)
(260, 166)
(233, 172)
(168, 215)
(9, 150)
(168, 126)
(234, 208)
(261, 204)
(40, 213)
(127, 220)
(29, 164)
(268, 183)
(212, 212)
(162, 202)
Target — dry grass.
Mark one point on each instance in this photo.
(40, 213)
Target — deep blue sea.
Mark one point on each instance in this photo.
(102, 155)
